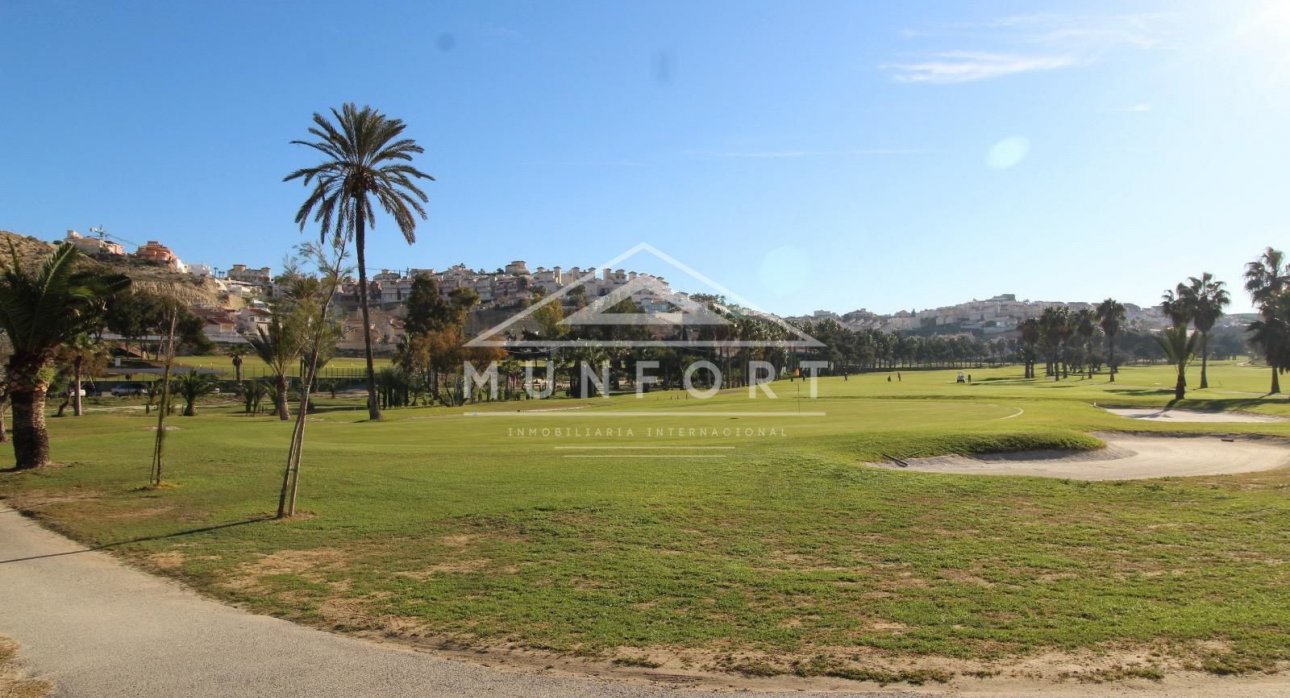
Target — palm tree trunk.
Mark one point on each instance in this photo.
(1276, 386)
(4, 435)
(27, 392)
(280, 400)
(1110, 355)
(1204, 360)
(76, 393)
(1180, 388)
(373, 408)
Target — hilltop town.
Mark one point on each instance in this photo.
(243, 293)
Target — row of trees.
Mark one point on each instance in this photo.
(1072, 341)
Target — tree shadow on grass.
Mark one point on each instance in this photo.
(143, 539)
(1218, 404)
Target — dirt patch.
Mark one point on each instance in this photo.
(1126, 457)
(13, 681)
(307, 564)
(39, 499)
(169, 560)
(135, 514)
(449, 567)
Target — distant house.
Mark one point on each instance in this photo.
(219, 325)
(158, 253)
(93, 246)
(258, 277)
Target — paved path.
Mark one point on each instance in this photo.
(99, 628)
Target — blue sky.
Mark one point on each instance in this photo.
(808, 155)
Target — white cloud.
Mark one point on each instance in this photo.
(970, 66)
(1016, 44)
(764, 154)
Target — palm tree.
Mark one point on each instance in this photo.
(81, 353)
(193, 386)
(1265, 279)
(40, 311)
(1110, 315)
(1030, 334)
(366, 157)
(1180, 347)
(1085, 326)
(236, 354)
(1207, 297)
(279, 346)
(1177, 306)
(1055, 329)
(1271, 334)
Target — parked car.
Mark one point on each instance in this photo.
(128, 389)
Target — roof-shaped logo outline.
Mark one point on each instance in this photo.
(495, 336)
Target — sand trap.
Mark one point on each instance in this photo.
(1126, 457)
(1168, 415)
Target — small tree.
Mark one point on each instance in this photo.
(279, 347)
(192, 387)
(237, 365)
(253, 393)
(1180, 346)
(81, 355)
(319, 334)
(163, 409)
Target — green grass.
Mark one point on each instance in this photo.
(253, 367)
(785, 555)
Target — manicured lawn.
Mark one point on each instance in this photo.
(754, 543)
(253, 367)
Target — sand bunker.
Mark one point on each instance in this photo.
(1126, 457)
(1167, 415)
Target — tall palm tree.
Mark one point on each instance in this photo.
(1055, 327)
(1176, 306)
(1030, 333)
(1271, 334)
(366, 158)
(1206, 297)
(1110, 315)
(39, 311)
(1084, 324)
(1266, 278)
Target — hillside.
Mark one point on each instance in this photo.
(191, 290)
